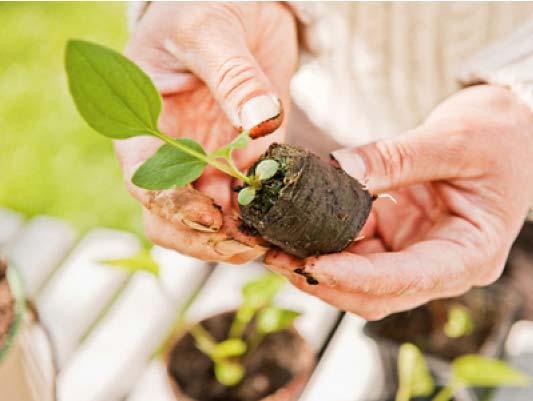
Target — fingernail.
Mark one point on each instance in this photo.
(198, 226)
(231, 247)
(351, 162)
(259, 110)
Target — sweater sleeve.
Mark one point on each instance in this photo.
(508, 62)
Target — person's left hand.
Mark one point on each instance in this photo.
(463, 182)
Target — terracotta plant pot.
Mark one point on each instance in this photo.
(27, 370)
(181, 357)
(504, 305)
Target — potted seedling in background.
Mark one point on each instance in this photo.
(253, 353)
(467, 371)
(26, 368)
(290, 197)
(475, 323)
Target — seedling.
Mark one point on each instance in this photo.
(255, 318)
(415, 380)
(142, 261)
(117, 99)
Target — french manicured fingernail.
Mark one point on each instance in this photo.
(259, 110)
(198, 226)
(351, 162)
(231, 247)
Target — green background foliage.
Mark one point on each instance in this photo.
(51, 162)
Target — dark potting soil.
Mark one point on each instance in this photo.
(308, 207)
(7, 304)
(273, 364)
(424, 326)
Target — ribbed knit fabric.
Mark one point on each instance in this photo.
(379, 68)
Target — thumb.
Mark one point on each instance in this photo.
(415, 157)
(222, 59)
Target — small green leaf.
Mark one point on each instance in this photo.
(266, 169)
(478, 371)
(228, 373)
(273, 319)
(459, 322)
(170, 167)
(113, 95)
(143, 261)
(232, 347)
(246, 196)
(259, 293)
(239, 142)
(414, 377)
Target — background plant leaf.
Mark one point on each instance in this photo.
(259, 293)
(414, 377)
(228, 373)
(459, 322)
(170, 167)
(143, 261)
(113, 95)
(274, 319)
(479, 371)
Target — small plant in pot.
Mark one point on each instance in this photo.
(289, 197)
(415, 380)
(24, 374)
(475, 323)
(250, 354)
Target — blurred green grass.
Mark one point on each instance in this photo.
(51, 162)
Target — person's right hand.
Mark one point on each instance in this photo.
(220, 67)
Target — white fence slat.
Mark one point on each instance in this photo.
(82, 287)
(349, 369)
(38, 249)
(115, 353)
(10, 223)
(153, 384)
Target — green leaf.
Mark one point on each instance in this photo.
(246, 196)
(170, 167)
(266, 169)
(259, 293)
(113, 95)
(273, 319)
(228, 373)
(143, 261)
(239, 142)
(478, 371)
(232, 347)
(459, 322)
(414, 377)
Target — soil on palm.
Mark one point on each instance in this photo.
(272, 366)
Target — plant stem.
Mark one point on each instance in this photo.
(445, 394)
(204, 341)
(229, 169)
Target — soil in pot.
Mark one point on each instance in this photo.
(7, 306)
(424, 326)
(309, 206)
(276, 361)
(519, 268)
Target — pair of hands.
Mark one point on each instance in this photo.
(462, 180)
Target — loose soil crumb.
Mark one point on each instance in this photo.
(273, 364)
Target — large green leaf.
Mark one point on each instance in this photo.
(478, 371)
(414, 377)
(143, 261)
(114, 96)
(170, 167)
